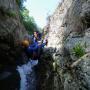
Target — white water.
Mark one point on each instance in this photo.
(27, 75)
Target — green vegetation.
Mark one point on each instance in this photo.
(78, 50)
(26, 20)
(11, 13)
(20, 3)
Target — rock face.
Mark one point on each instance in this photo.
(11, 32)
(69, 28)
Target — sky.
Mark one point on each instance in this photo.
(40, 9)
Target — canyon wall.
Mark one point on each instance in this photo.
(11, 32)
(69, 44)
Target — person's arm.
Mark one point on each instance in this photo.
(45, 43)
(34, 46)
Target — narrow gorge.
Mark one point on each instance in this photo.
(65, 62)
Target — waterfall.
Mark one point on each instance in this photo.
(27, 75)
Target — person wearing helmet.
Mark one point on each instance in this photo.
(30, 47)
(33, 47)
(25, 43)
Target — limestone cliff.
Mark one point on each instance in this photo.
(69, 28)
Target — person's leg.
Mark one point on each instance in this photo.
(40, 51)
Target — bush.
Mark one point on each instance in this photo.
(78, 50)
(28, 21)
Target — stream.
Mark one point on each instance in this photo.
(27, 74)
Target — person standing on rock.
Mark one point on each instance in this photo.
(32, 48)
(38, 38)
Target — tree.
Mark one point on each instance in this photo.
(26, 20)
(20, 3)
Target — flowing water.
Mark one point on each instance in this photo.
(27, 75)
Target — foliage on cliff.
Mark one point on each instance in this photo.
(20, 3)
(28, 21)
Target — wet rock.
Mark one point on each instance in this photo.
(11, 32)
(11, 53)
(9, 80)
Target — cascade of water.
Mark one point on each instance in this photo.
(27, 75)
